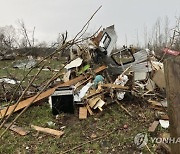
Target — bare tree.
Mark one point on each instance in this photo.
(8, 37)
(26, 41)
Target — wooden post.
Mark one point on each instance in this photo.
(172, 77)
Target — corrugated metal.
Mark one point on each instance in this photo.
(142, 67)
(141, 56)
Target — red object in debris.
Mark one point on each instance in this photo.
(171, 52)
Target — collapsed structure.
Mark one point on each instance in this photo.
(96, 75)
(127, 70)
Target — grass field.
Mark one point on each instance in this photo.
(112, 119)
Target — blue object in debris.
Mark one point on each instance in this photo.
(98, 78)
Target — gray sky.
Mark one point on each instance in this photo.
(51, 17)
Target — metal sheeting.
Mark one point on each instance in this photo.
(142, 67)
(141, 56)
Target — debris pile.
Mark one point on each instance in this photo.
(96, 76)
(125, 71)
(137, 73)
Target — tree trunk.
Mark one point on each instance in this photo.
(172, 77)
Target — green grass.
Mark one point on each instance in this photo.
(76, 131)
(7, 70)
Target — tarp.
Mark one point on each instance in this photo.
(171, 52)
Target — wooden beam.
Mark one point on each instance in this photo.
(89, 110)
(172, 77)
(114, 86)
(57, 133)
(46, 94)
(82, 113)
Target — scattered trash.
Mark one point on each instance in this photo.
(43, 95)
(63, 127)
(84, 69)
(27, 148)
(171, 52)
(9, 81)
(125, 126)
(25, 64)
(121, 80)
(6, 56)
(164, 123)
(98, 79)
(62, 100)
(82, 92)
(75, 63)
(21, 131)
(50, 123)
(135, 73)
(93, 135)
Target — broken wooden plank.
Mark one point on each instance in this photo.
(164, 117)
(99, 105)
(158, 104)
(115, 86)
(57, 133)
(45, 94)
(161, 115)
(17, 129)
(159, 79)
(81, 83)
(89, 110)
(82, 113)
(153, 126)
(92, 102)
(67, 76)
(95, 94)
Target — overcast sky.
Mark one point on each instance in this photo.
(51, 17)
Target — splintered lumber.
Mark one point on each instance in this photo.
(159, 104)
(153, 126)
(82, 113)
(89, 109)
(161, 115)
(114, 86)
(95, 94)
(159, 79)
(81, 83)
(92, 102)
(99, 105)
(45, 94)
(17, 129)
(57, 133)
